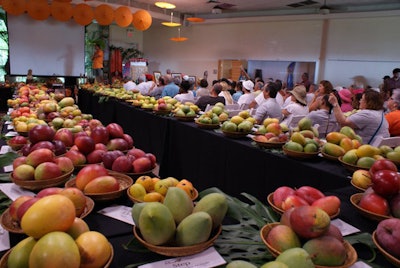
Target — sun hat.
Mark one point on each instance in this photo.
(345, 95)
(249, 85)
(300, 93)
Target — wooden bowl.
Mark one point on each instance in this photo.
(351, 252)
(124, 182)
(207, 126)
(236, 134)
(185, 118)
(329, 157)
(355, 199)
(299, 155)
(36, 185)
(4, 259)
(134, 200)
(162, 112)
(357, 187)
(13, 226)
(269, 144)
(395, 261)
(278, 210)
(350, 167)
(137, 175)
(15, 146)
(174, 251)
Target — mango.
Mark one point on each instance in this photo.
(334, 137)
(333, 149)
(310, 148)
(367, 150)
(326, 251)
(67, 101)
(305, 123)
(102, 184)
(240, 264)
(296, 258)
(307, 133)
(350, 157)
(135, 212)
(315, 131)
(299, 138)
(365, 162)
(201, 222)
(50, 213)
(394, 156)
(294, 146)
(179, 203)
(55, 249)
(156, 223)
(282, 237)
(214, 204)
(274, 264)
(348, 131)
(19, 256)
(347, 144)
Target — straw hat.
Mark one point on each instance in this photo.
(300, 93)
(61, 11)
(142, 20)
(123, 16)
(104, 14)
(83, 14)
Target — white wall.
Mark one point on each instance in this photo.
(341, 48)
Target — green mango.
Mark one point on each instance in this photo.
(201, 222)
(156, 223)
(135, 211)
(214, 204)
(240, 264)
(179, 203)
(19, 256)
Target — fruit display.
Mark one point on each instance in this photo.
(241, 124)
(387, 238)
(304, 138)
(307, 229)
(17, 142)
(285, 197)
(185, 112)
(153, 189)
(393, 154)
(338, 143)
(162, 106)
(381, 198)
(63, 241)
(171, 224)
(271, 133)
(361, 158)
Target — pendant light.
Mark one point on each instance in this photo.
(171, 23)
(165, 5)
(179, 38)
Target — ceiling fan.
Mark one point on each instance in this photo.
(324, 9)
(217, 9)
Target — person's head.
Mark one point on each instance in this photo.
(97, 47)
(325, 87)
(371, 100)
(216, 89)
(203, 83)
(270, 90)
(248, 86)
(142, 78)
(304, 76)
(386, 77)
(184, 86)
(162, 80)
(258, 85)
(325, 104)
(394, 101)
(29, 71)
(233, 84)
(312, 88)
(239, 86)
(345, 95)
(224, 85)
(127, 79)
(396, 72)
(279, 84)
(299, 95)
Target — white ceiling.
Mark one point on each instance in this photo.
(210, 9)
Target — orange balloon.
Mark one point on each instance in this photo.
(142, 20)
(83, 14)
(14, 7)
(123, 16)
(62, 1)
(38, 10)
(61, 11)
(104, 14)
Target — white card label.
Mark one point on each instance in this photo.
(344, 227)
(13, 191)
(121, 213)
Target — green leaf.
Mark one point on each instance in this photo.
(7, 159)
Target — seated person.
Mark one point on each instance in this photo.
(225, 93)
(324, 117)
(184, 95)
(212, 99)
(247, 97)
(270, 107)
(129, 84)
(202, 90)
(393, 116)
(298, 104)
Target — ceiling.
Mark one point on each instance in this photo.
(234, 9)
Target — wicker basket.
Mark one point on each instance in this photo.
(299, 155)
(37, 185)
(387, 255)
(235, 135)
(134, 200)
(207, 126)
(269, 144)
(174, 251)
(355, 199)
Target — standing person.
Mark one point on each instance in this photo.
(393, 116)
(269, 107)
(305, 81)
(370, 122)
(29, 77)
(97, 63)
(391, 83)
(212, 99)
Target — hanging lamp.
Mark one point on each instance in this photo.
(164, 5)
(179, 38)
(171, 23)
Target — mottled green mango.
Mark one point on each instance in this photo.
(305, 123)
(135, 211)
(179, 203)
(214, 204)
(294, 146)
(333, 149)
(274, 264)
(296, 258)
(19, 256)
(156, 223)
(194, 229)
(326, 251)
(240, 264)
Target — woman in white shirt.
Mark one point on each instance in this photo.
(247, 97)
(298, 106)
(184, 95)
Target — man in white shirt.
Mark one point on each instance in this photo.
(144, 86)
(247, 97)
(129, 84)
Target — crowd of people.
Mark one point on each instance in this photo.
(372, 113)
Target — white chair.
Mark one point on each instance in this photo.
(244, 106)
(230, 107)
(391, 141)
(208, 107)
(294, 120)
(233, 112)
